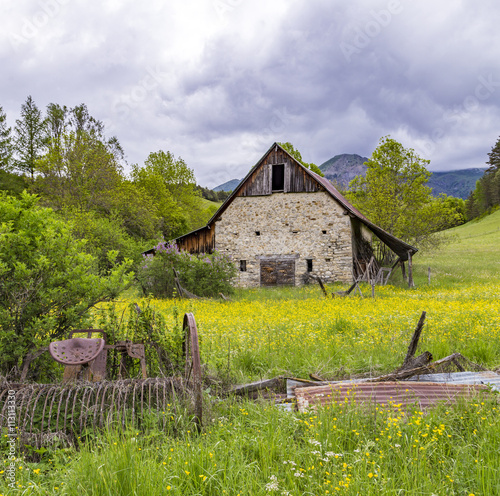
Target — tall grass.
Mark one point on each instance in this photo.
(254, 448)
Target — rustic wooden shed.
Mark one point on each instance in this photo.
(283, 223)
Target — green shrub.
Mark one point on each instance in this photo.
(203, 274)
(47, 281)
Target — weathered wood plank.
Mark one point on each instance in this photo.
(275, 383)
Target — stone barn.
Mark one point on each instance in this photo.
(283, 223)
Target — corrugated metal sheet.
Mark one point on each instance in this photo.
(489, 378)
(397, 394)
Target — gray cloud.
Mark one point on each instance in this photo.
(218, 82)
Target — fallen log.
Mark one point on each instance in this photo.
(456, 360)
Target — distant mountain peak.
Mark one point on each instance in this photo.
(228, 186)
(343, 168)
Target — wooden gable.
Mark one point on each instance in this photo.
(259, 181)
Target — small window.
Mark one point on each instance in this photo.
(278, 179)
(257, 233)
(324, 232)
(309, 264)
(327, 260)
(295, 231)
(243, 265)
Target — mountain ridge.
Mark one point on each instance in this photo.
(343, 168)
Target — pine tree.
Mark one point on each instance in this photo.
(494, 160)
(30, 137)
(5, 142)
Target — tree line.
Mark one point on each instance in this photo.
(486, 196)
(64, 156)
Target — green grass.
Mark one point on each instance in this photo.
(248, 448)
(471, 257)
(208, 203)
(254, 448)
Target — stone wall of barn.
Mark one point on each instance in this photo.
(310, 230)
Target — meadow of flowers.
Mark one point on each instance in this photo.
(296, 332)
(253, 448)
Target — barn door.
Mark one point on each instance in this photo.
(277, 272)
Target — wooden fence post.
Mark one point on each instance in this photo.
(410, 271)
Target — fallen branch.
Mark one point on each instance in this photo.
(424, 369)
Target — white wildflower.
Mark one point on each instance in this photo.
(273, 485)
(331, 454)
(298, 474)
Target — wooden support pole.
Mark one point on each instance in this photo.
(410, 271)
(322, 286)
(394, 265)
(412, 348)
(403, 271)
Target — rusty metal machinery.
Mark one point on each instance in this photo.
(86, 400)
(86, 358)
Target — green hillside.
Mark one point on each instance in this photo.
(472, 255)
(207, 203)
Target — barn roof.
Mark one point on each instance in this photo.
(398, 246)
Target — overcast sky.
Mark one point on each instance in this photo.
(216, 82)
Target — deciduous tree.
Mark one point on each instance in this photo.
(171, 185)
(395, 196)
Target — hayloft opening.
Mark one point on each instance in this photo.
(278, 177)
(243, 265)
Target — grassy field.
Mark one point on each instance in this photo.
(254, 448)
